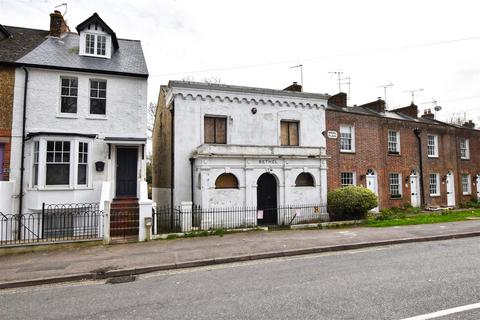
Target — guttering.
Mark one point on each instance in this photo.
(417, 132)
(22, 159)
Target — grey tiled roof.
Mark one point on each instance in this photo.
(23, 40)
(63, 53)
(386, 114)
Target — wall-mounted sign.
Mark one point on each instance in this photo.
(260, 214)
(332, 134)
(267, 161)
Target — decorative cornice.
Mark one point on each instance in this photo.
(232, 98)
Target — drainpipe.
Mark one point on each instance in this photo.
(172, 154)
(417, 132)
(192, 161)
(22, 159)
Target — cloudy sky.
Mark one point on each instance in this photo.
(429, 45)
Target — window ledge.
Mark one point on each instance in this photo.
(465, 159)
(466, 194)
(347, 151)
(67, 115)
(396, 198)
(394, 154)
(96, 117)
(433, 157)
(434, 195)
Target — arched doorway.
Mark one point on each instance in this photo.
(267, 199)
(372, 184)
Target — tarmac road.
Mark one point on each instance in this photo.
(392, 282)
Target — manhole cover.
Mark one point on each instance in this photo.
(122, 279)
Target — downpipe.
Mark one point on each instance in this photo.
(22, 159)
(417, 132)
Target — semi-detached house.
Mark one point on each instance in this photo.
(78, 115)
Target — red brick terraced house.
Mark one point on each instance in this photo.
(405, 159)
(15, 42)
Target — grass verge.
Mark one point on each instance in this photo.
(420, 218)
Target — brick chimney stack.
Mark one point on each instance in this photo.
(428, 114)
(294, 87)
(57, 24)
(339, 100)
(411, 110)
(470, 124)
(378, 106)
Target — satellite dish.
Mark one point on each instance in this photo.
(437, 108)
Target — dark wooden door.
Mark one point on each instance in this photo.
(267, 198)
(127, 172)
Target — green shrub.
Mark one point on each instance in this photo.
(350, 203)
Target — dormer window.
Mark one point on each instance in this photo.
(96, 38)
(95, 44)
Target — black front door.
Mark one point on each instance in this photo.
(127, 172)
(267, 199)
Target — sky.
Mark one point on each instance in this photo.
(429, 45)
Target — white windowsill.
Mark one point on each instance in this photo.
(433, 156)
(67, 115)
(59, 188)
(466, 194)
(465, 158)
(347, 151)
(434, 195)
(96, 117)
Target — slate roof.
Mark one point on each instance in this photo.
(22, 41)
(390, 115)
(31, 47)
(62, 53)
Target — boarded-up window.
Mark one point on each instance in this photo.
(304, 180)
(289, 133)
(226, 181)
(215, 130)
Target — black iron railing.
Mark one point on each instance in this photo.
(175, 219)
(54, 223)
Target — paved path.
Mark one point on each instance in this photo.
(55, 263)
(390, 282)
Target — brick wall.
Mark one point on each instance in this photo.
(7, 82)
(371, 152)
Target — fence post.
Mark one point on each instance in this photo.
(145, 211)
(186, 216)
(106, 222)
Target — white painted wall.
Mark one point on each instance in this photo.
(125, 117)
(245, 129)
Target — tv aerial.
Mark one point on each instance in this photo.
(385, 87)
(412, 92)
(63, 5)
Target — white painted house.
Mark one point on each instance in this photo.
(83, 95)
(232, 146)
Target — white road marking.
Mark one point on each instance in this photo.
(445, 312)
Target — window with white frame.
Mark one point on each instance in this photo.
(432, 145)
(464, 149)
(101, 45)
(434, 184)
(90, 43)
(36, 154)
(393, 142)
(395, 185)
(82, 174)
(347, 179)
(98, 96)
(347, 138)
(95, 44)
(58, 163)
(466, 184)
(68, 95)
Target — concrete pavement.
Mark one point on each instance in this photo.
(115, 260)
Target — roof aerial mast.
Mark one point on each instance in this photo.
(385, 87)
(412, 92)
